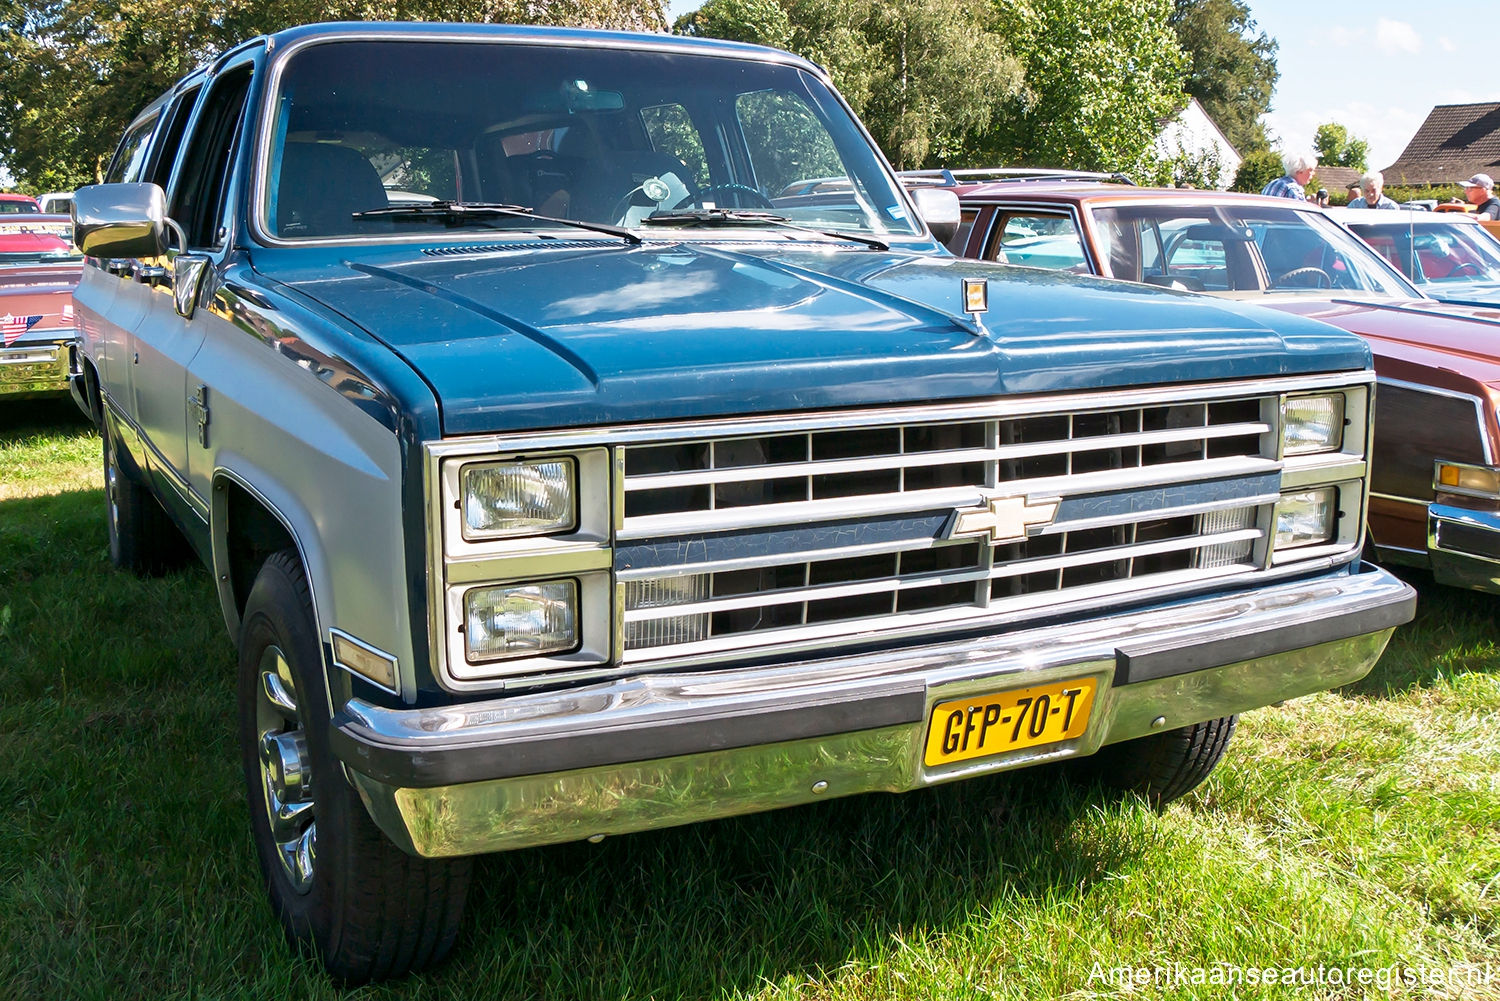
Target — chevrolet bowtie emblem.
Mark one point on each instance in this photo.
(1003, 519)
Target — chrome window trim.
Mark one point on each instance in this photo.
(1484, 435)
(276, 61)
(1300, 472)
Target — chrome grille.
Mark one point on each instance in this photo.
(742, 541)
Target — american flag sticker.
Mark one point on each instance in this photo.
(12, 327)
(67, 313)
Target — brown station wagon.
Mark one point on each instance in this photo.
(1435, 495)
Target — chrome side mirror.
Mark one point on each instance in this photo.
(938, 208)
(120, 220)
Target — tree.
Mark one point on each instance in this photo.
(763, 22)
(1097, 87)
(1259, 168)
(1337, 147)
(1231, 68)
(74, 72)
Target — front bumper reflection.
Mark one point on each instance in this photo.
(656, 751)
(34, 367)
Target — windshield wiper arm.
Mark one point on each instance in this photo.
(453, 210)
(719, 217)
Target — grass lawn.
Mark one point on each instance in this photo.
(1359, 828)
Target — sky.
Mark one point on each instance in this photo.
(1380, 70)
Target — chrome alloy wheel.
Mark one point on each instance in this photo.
(284, 772)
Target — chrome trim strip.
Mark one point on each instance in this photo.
(1039, 405)
(797, 512)
(1403, 500)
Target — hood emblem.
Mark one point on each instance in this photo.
(1003, 519)
(976, 297)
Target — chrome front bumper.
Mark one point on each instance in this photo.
(35, 367)
(656, 751)
(1463, 546)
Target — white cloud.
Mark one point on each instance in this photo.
(1343, 37)
(1396, 36)
(1446, 44)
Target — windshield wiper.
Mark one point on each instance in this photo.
(752, 217)
(455, 211)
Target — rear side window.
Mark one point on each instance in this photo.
(130, 158)
(1039, 240)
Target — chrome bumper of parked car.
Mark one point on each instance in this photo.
(1464, 546)
(660, 750)
(35, 367)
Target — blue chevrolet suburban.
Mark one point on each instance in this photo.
(587, 434)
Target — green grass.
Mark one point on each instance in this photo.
(1358, 828)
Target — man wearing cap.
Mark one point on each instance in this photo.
(1480, 191)
(1299, 169)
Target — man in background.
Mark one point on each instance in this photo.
(1373, 186)
(1480, 191)
(1299, 168)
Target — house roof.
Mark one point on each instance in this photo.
(1337, 178)
(1455, 142)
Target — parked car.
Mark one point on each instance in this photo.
(1449, 256)
(56, 202)
(38, 271)
(15, 203)
(680, 502)
(1435, 495)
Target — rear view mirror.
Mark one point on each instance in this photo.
(120, 220)
(938, 208)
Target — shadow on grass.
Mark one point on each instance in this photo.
(1453, 634)
(20, 419)
(128, 870)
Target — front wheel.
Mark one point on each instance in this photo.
(339, 887)
(1162, 766)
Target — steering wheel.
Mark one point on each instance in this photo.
(1323, 277)
(1464, 267)
(697, 197)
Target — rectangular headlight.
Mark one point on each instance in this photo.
(508, 499)
(1306, 518)
(521, 620)
(1312, 424)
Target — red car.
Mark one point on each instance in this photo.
(1435, 495)
(39, 269)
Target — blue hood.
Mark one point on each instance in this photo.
(525, 335)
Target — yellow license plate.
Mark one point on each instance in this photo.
(983, 725)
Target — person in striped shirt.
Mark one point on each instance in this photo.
(1299, 168)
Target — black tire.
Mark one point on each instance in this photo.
(1162, 766)
(142, 538)
(366, 909)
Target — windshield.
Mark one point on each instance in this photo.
(1436, 255)
(1234, 248)
(602, 135)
